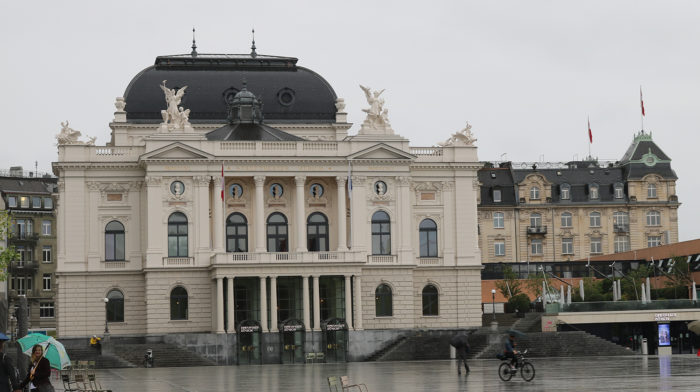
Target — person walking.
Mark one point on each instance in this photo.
(461, 344)
(39, 372)
(9, 377)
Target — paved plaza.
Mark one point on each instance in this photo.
(677, 373)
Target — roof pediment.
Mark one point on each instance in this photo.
(176, 151)
(382, 151)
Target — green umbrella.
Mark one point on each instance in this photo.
(53, 349)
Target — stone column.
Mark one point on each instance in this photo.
(404, 221)
(263, 303)
(300, 216)
(259, 216)
(348, 302)
(307, 304)
(360, 227)
(317, 305)
(358, 303)
(342, 213)
(219, 305)
(273, 304)
(218, 219)
(230, 308)
(202, 206)
(154, 223)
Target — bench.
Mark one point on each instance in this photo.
(342, 384)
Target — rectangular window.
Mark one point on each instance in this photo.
(595, 219)
(498, 220)
(12, 201)
(566, 219)
(22, 285)
(622, 243)
(499, 248)
(25, 255)
(619, 192)
(48, 203)
(596, 245)
(24, 201)
(46, 310)
(46, 254)
(653, 240)
(536, 247)
(567, 246)
(651, 191)
(496, 195)
(36, 202)
(46, 282)
(46, 227)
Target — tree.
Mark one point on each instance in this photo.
(510, 285)
(8, 254)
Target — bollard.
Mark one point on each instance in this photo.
(645, 347)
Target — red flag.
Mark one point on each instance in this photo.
(222, 182)
(641, 100)
(590, 134)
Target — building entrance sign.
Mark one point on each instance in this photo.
(665, 316)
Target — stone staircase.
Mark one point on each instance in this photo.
(380, 353)
(164, 355)
(558, 344)
(420, 346)
(105, 361)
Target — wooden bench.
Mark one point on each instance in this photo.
(345, 383)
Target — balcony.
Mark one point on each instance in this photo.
(23, 267)
(534, 230)
(382, 259)
(177, 261)
(621, 228)
(287, 257)
(24, 237)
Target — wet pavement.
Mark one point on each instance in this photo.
(638, 373)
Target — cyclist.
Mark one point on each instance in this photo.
(510, 351)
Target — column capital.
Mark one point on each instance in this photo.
(259, 180)
(153, 180)
(300, 180)
(359, 180)
(202, 180)
(403, 180)
(340, 180)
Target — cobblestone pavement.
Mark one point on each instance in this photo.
(677, 373)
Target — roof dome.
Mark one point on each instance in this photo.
(288, 93)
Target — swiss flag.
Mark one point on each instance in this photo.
(641, 100)
(590, 134)
(222, 182)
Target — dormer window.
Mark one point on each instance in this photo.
(496, 195)
(651, 191)
(12, 201)
(593, 191)
(619, 191)
(534, 193)
(565, 191)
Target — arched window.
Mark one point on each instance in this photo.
(317, 233)
(381, 233)
(534, 193)
(593, 191)
(566, 219)
(177, 235)
(565, 191)
(651, 191)
(178, 303)
(430, 300)
(115, 306)
(383, 301)
(653, 218)
(427, 231)
(114, 241)
(277, 237)
(236, 233)
(619, 191)
(535, 220)
(498, 221)
(594, 218)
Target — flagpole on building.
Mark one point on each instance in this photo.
(590, 137)
(350, 200)
(641, 102)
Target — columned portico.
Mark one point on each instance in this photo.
(273, 304)
(317, 308)
(342, 236)
(300, 181)
(259, 217)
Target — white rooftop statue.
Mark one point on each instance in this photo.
(377, 120)
(465, 137)
(69, 135)
(175, 118)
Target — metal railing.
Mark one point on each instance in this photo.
(537, 230)
(618, 306)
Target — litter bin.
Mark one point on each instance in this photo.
(645, 347)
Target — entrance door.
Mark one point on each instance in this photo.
(249, 350)
(335, 339)
(293, 347)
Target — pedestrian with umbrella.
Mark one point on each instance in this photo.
(39, 372)
(461, 344)
(46, 353)
(9, 377)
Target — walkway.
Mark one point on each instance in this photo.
(637, 373)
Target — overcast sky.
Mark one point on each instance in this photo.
(525, 74)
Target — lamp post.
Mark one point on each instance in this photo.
(106, 302)
(493, 303)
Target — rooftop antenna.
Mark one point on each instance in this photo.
(253, 54)
(194, 45)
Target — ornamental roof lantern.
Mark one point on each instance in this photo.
(245, 107)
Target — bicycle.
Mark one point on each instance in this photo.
(527, 370)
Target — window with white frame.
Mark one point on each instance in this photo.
(46, 228)
(536, 246)
(36, 202)
(593, 191)
(653, 240)
(496, 195)
(498, 220)
(594, 218)
(24, 201)
(619, 191)
(21, 284)
(596, 245)
(566, 219)
(651, 191)
(535, 220)
(46, 282)
(46, 254)
(567, 246)
(46, 310)
(621, 218)
(48, 203)
(622, 243)
(565, 191)
(653, 218)
(499, 248)
(12, 201)
(534, 193)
